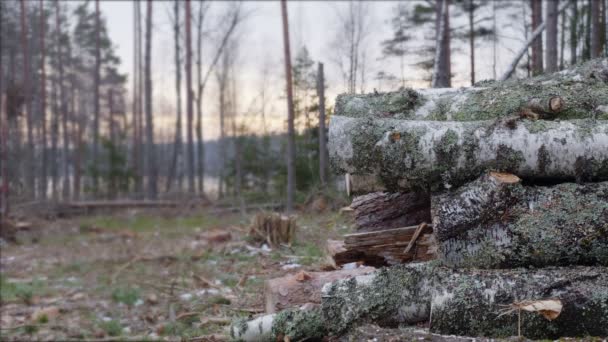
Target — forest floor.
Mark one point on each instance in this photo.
(146, 275)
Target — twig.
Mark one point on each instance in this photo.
(412, 242)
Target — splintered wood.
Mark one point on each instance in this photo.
(273, 228)
(385, 247)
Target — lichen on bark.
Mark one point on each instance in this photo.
(517, 225)
(583, 88)
(432, 155)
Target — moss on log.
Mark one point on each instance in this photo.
(287, 325)
(584, 90)
(470, 302)
(408, 155)
(493, 224)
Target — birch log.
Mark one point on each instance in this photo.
(470, 302)
(406, 155)
(583, 90)
(496, 222)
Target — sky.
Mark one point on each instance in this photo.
(313, 24)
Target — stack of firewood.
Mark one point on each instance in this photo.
(505, 186)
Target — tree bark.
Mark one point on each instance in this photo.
(442, 70)
(291, 143)
(151, 150)
(177, 143)
(573, 31)
(471, 11)
(497, 222)
(537, 45)
(29, 155)
(551, 52)
(384, 210)
(453, 304)
(64, 111)
(189, 113)
(596, 43)
(474, 303)
(583, 89)
(298, 289)
(199, 103)
(389, 246)
(408, 155)
(43, 169)
(322, 129)
(96, 105)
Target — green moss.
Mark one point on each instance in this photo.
(298, 325)
(399, 104)
(508, 159)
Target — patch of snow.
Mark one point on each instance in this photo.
(185, 296)
(291, 266)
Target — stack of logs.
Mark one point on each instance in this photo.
(504, 186)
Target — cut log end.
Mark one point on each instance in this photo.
(506, 178)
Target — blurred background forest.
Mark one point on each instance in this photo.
(187, 99)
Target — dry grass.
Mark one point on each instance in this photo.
(142, 275)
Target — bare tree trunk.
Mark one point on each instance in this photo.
(177, 144)
(562, 43)
(55, 122)
(64, 112)
(189, 113)
(322, 130)
(596, 44)
(222, 80)
(136, 124)
(151, 150)
(291, 141)
(78, 116)
(3, 147)
(29, 167)
(199, 104)
(472, 39)
(530, 42)
(441, 70)
(551, 52)
(573, 31)
(96, 113)
(43, 178)
(587, 29)
(537, 45)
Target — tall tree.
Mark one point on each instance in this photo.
(396, 45)
(152, 173)
(29, 166)
(136, 120)
(322, 135)
(442, 64)
(96, 105)
(63, 106)
(202, 10)
(551, 34)
(291, 143)
(189, 107)
(537, 45)
(43, 169)
(573, 31)
(596, 29)
(177, 144)
(352, 32)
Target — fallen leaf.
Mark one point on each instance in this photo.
(549, 308)
(48, 313)
(302, 276)
(152, 299)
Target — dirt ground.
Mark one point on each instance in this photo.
(146, 275)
